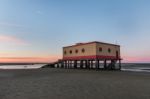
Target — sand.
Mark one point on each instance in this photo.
(73, 84)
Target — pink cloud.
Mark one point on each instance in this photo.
(134, 59)
(29, 59)
(12, 39)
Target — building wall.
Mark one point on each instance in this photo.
(90, 49)
(104, 49)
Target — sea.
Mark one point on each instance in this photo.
(136, 67)
(133, 67)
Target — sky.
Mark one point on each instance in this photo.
(36, 30)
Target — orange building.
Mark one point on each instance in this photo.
(87, 54)
(91, 50)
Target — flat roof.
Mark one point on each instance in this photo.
(79, 44)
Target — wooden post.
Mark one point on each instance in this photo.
(70, 63)
(57, 65)
(96, 64)
(81, 64)
(75, 64)
(100, 63)
(67, 64)
(105, 64)
(92, 64)
(62, 64)
(88, 64)
(112, 62)
(84, 63)
(119, 64)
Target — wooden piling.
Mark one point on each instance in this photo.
(105, 64)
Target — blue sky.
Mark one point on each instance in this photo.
(39, 28)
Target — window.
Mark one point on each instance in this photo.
(76, 51)
(70, 51)
(100, 49)
(109, 50)
(83, 50)
(65, 52)
(117, 54)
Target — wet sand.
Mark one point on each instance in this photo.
(73, 84)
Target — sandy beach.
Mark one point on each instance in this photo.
(73, 84)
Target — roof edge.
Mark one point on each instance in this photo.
(79, 44)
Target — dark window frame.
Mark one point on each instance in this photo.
(76, 51)
(83, 50)
(117, 54)
(100, 49)
(70, 51)
(109, 50)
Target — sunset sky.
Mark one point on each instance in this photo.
(36, 30)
